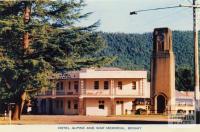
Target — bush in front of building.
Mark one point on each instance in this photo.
(140, 111)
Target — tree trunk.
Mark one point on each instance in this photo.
(27, 12)
(17, 111)
(26, 41)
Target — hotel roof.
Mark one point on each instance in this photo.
(104, 72)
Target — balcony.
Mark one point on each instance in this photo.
(97, 93)
(60, 92)
(56, 93)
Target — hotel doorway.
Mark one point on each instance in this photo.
(119, 107)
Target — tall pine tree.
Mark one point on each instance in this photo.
(39, 38)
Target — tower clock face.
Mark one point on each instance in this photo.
(160, 41)
(160, 38)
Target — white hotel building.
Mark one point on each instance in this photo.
(101, 91)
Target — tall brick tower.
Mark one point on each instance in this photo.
(163, 72)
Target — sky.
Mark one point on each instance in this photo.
(114, 15)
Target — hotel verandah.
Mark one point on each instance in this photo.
(101, 91)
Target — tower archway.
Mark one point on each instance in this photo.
(161, 104)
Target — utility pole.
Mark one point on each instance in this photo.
(196, 59)
(195, 5)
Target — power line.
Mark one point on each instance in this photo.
(164, 18)
(153, 9)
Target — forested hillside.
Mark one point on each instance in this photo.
(133, 51)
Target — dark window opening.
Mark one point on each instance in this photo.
(76, 85)
(133, 85)
(69, 85)
(96, 84)
(61, 85)
(106, 85)
(75, 106)
(69, 104)
(101, 104)
(57, 86)
(120, 102)
(120, 85)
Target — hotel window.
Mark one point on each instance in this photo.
(120, 85)
(69, 104)
(101, 104)
(120, 102)
(59, 86)
(105, 84)
(76, 85)
(133, 84)
(69, 85)
(96, 84)
(75, 104)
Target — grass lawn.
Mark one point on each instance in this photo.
(65, 119)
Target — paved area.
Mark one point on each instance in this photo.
(64, 119)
